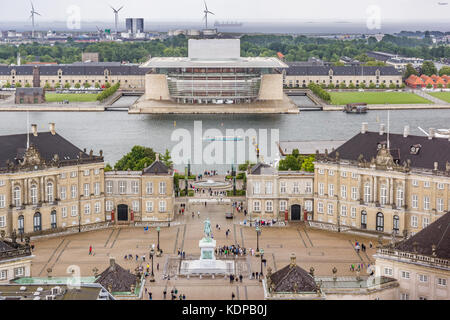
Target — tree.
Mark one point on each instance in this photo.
(445, 70)
(429, 68)
(429, 86)
(392, 86)
(331, 86)
(67, 85)
(402, 86)
(107, 85)
(362, 85)
(87, 85)
(410, 71)
(18, 85)
(97, 85)
(382, 85)
(308, 164)
(136, 160)
(108, 167)
(245, 166)
(77, 85)
(27, 85)
(440, 86)
(342, 86)
(372, 86)
(351, 85)
(47, 85)
(167, 159)
(8, 85)
(289, 163)
(58, 85)
(448, 85)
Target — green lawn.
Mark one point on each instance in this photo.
(445, 96)
(342, 98)
(72, 97)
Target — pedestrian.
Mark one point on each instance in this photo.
(232, 296)
(90, 250)
(240, 277)
(164, 294)
(198, 214)
(157, 266)
(149, 296)
(184, 297)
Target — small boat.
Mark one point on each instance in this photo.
(356, 108)
(224, 138)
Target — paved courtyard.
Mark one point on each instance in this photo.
(313, 248)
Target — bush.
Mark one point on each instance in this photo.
(77, 85)
(239, 193)
(372, 86)
(342, 86)
(67, 86)
(108, 92)
(362, 85)
(392, 86)
(382, 86)
(18, 85)
(351, 86)
(86, 85)
(331, 86)
(318, 91)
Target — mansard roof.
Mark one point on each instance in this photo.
(436, 234)
(13, 148)
(157, 168)
(430, 150)
(341, 71)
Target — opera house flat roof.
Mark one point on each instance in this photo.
(184, 62)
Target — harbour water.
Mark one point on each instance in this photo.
(117, 132)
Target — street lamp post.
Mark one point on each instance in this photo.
(152, 276)
(258, 233)
(158, 250)
(261, 274)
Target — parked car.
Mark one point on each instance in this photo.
(229, 215)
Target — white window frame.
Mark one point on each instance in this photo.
(87, 189)
(331, 190)
(344, 192)
(354, 193)
(98, 207)
(149, 206)
(320, 207)
(87, 208)
(97, 188)
(283, 205)
(321, 189)
(2, 221)
(162, 206)
(162, 187)
(109, 206)
(414, 221)
(2, 201)
(283, 187)
(74, 211)
(109, 187)
(308, 187)
(63, 193)
(73, 191)
(415, 201)
(122, 187)
(330, 209)
(135, 187)
(256, 206)
(149, 187)
(135, 206)
(426, 203)
(64, 212)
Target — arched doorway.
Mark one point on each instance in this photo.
(296, 212)
(122, 212)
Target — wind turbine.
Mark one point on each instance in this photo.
(33, 12)
(206, 11)
(116, 15)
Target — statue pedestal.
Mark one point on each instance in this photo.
(207, 264)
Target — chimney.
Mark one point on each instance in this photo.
(436, 166)
(364, 127)
(101, 153)
(406, 132)
(431, 134)
(34, 129)
(157, 157)
(293, 260)
(112, 263)
(52, 128)
(382, 129)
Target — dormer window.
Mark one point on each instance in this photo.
(415, 149)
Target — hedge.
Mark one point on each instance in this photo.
(108, 92)
(318, 91)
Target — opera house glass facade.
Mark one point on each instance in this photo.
(214, 73)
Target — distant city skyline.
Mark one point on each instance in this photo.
(248, 10)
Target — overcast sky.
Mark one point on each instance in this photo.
(244, 10)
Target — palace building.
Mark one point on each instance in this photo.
(279, 195)
(386, 183)
(48, 185)
(421, 264)
(214, 73)
(145, 196)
